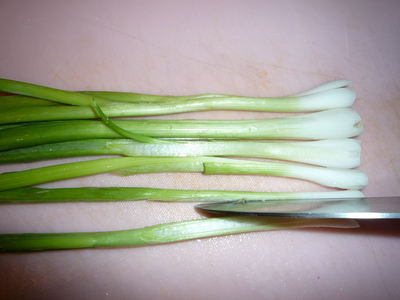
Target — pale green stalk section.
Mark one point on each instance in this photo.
(337, 153)
(159, 234)
(329, 124)
(40, 195)
(331, 177)
(38, 91)
(126, 97)
(338, 98)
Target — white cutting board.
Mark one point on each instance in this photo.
(254, 48)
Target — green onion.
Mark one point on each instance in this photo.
(332, 177)
(160, 146)
(18, 87)
(158, 234)
(136, 98)
(16, 101)
(41, 195)
(326, 97)
(338, 98)
(329, 124)
(335, 153)
(38, 91)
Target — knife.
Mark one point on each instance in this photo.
(344, 208)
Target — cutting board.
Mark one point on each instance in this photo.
(251, 48)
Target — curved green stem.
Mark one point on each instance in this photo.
(123, 132)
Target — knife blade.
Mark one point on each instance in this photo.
(344, 208)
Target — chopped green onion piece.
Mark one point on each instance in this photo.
(90, 194)
(159, 234)
(329, 124)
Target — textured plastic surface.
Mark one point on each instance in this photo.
(248, 47)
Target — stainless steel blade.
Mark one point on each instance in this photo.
(349, 208)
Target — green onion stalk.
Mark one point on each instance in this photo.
(17, 101)
(124, 97)
(50, 113)
(110, 194)
(47, 93)
(330, 124)
(335, 153)
(331, 177)
(329, 96)
(158, 234)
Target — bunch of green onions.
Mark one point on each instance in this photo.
(40, 123)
